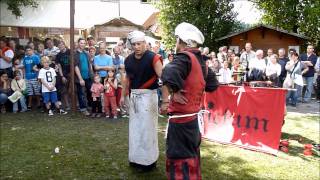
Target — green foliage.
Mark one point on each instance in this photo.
(214, 18)
(15, 5)
(301, 16)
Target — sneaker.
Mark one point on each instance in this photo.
(93, 115)
(98, 115)
(3, 109)
(29, 108)
(50, 113)
(115, 117)
(125, 116)
(107, 116)
(86, 113)
(61, 111)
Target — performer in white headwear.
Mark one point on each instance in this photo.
(186, 77)
(143, 68)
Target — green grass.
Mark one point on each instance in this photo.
(98, 149)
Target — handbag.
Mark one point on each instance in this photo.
(288, 81)
(24, 92)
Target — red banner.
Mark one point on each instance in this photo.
(248, 117)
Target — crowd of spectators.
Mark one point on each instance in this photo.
(298, 73)
(38, 75)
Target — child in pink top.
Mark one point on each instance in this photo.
(110, 86)
(96, 90)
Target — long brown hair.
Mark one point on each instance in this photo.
(1, 83)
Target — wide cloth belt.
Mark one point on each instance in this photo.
(200, 117)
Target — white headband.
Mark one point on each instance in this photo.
(136, 36)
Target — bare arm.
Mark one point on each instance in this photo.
(307, 63)
(124, 82)
(77, 70)
(81, 81)
(54, 82)
(114, 84)
(6, 58)
(60, 70)
(45, 83)
(289, 65)
(158, 68)
(106, 68)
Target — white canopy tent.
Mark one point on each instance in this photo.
(55, 14)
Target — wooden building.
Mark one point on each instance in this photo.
(114, 30)
(264, 37)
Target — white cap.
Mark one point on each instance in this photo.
(189, 34)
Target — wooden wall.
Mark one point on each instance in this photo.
(101, 32)
(263, 38)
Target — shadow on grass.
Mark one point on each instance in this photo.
(295, 150)
(297, 137)
(215, 167)
(233, 167)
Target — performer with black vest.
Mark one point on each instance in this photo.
(186, 78)
(143, 69)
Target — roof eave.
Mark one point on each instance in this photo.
(265, 26)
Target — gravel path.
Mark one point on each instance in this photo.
(311, 108)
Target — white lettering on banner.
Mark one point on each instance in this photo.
(240, 90)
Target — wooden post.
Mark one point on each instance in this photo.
(72, 50)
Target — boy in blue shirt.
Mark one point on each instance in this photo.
(31, 63)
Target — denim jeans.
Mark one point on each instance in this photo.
(22, 103)
(3, 98)
(84, 99)
(309, 88)
(293, 95)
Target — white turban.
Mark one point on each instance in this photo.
(135, 36)
(189, 34)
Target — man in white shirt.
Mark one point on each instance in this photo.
(247, 56)
(6, 55)
(269, 54)
(257, 67)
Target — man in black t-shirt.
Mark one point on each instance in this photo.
(63, 61)
(143, 68)
(282, 61)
